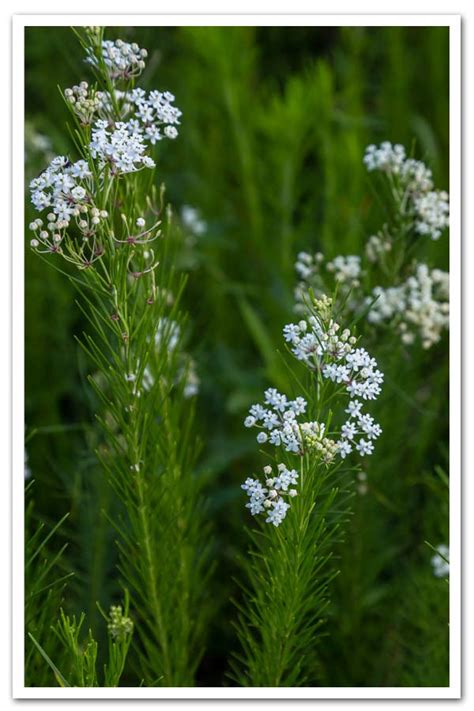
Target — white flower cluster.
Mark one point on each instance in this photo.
(63, 187)
(416, 176)
(432, 213)
(345, 268)
(376, 247)
(308, 264)
(123, 144)
(420, 306)
(121, 147)
(417, 306)
(358, 372)
(279, 418)
(346, 271)
(386, 157)
(440, 561)
(123, 60)
(361, 425)
(318, 343)
(270, 499)
(391, 159)
(429, 208)
(66, 189)
(145, 113)
(154, 110)
(119, 626)
(321, 347)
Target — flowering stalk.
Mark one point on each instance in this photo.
(388, 285)
(304, 498)
(78, 660)
(107, 219)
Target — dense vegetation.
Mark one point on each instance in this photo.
(274, 129)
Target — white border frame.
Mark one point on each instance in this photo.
(19, 23)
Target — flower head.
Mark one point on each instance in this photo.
(119, 626)
(429, 208)
(418, 307)
(123, 60)
(324, 347)
(270, 499)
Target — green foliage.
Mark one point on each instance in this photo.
(44, 587)
(275, 122)
(289, 570)
(286, 595)
(132, 343)
(162, 535)
(79, 654)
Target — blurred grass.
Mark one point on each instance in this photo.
(274, 128)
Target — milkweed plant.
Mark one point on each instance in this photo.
(307, 493)
(106, 218)
(104, 223)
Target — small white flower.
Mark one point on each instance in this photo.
(364, 447)
(78, 193)
(354, 408)
(348, 430)
(277, 513)
(344, 448)
(171, 132)
(298, 406)
(271, 497)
